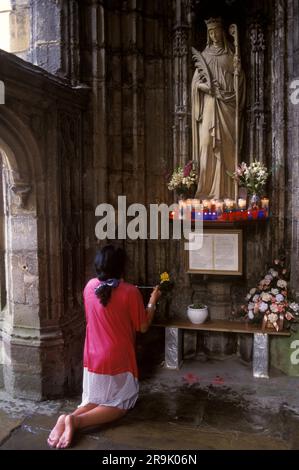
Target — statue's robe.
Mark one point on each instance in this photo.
(214, 125)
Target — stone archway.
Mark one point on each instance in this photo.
(20, 319)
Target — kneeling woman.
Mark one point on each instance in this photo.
(114, 312)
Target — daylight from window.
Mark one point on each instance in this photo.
(5, 9)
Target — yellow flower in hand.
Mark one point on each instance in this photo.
(164, 277)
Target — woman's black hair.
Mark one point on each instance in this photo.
(109, 265)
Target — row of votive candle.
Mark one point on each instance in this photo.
(212, 205)
(230, 204)
(211, 209)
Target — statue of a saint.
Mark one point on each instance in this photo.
(216, 129)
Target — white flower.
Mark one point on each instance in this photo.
(273, 272)
(248, 297)
(251, 306)
(266, 297)
(252, 291)
(272, 317)
(269, 277)
(294, 306)
(263, 307)
(250, 315)
(279, 298)
(281, 283)
(256, 298)
(274, 291)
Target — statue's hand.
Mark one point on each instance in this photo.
(203, 87)
(217, 90)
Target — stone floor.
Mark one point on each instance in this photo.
(205, 405)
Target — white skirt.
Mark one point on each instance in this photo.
(120, 391)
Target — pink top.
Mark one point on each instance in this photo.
(110, 331)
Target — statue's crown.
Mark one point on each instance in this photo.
(213, 22)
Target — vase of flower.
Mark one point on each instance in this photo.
(273, 322)
(268, 304)
(254, 201)
(253, 178)
(184, 181)
(187, 193)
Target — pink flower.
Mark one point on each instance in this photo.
(274, 308)
(289, 316)
(187, 169)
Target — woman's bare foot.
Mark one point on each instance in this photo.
(67, 437)
(57, 431)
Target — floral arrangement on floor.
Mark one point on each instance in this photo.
(268, 303)
(184, 179)
(253, 177)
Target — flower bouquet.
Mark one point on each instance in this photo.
(184, 180)
(165, 284)
(253, 177)
(268, 303)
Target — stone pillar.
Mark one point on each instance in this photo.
(284, 354)
(256, 84)
(279, 126)
(181, 46)
(2, 244)
(21, 332)
(292, 155)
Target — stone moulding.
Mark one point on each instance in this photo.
(21, 192)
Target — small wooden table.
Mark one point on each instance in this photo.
(174, 329)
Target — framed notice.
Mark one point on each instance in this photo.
(220, 253)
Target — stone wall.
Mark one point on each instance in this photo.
(43, 32)
(126, 52)
(41, 141)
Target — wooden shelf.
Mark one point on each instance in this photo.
(225, 326)
(231, 224)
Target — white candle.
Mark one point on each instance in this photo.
(197, 204)
(219, 206)
(206, 204)
(229, 203)
(265, 203)
(242, 203)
